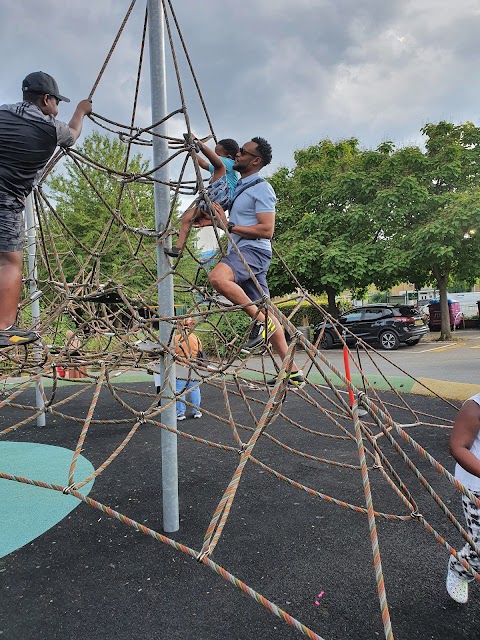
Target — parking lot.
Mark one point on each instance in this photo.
(456, 361)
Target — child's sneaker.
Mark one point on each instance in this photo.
(295, 378)
(457, 587)
(15, 336)
(181, 416)
(197, 414)
(258, 335)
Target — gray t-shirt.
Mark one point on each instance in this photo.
(28, 139)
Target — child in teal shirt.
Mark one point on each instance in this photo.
(220, 189)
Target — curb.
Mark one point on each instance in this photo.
(460, 391)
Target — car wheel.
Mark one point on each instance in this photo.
(327, 341)
(389, 340)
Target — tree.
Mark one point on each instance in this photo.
(96, 232)
(348, 218)
(435, 209)
(447, 244)
(327, 227)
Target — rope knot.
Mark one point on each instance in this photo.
(202, 555)
(71, 487)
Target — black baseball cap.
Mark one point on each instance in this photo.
(41, 82)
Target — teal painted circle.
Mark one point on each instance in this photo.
(26, 511)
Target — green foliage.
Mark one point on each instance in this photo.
(378, 296)
(348, 218)
(95, 219)
(223, 332)
(95, 235)
(308, 314)
(456, 285)
(434, 236)
(329, 229)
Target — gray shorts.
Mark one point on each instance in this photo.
(12, 229)
(258, 261)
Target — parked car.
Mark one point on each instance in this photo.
(388, 324)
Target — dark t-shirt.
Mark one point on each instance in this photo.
(28, 139)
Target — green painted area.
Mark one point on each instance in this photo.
(400, 383)
(26, 511)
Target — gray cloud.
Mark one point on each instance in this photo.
(294, 72)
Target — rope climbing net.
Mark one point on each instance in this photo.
(95, 317)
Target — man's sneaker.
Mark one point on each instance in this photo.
(14, 336)
(181, 416)
(457, 587)
(296, 379)
(197, 414)
(258, 335)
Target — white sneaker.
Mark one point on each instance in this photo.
(457, 587)
(197, 414)
(181, 416)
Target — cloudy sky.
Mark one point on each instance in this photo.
(293, 71)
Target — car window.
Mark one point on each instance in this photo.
(353, 316)
(372, 314)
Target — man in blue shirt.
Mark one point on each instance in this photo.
(29, 134)
(251, 225)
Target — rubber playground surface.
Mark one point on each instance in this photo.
(84, 575)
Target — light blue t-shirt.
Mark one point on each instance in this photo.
(260, 198)
(232, 176)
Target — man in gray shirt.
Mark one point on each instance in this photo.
(29, 134)
(251, 224)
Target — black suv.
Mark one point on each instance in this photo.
(387, 324)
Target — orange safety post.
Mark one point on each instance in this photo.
(347, 373)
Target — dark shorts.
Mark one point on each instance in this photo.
(258, 261)
(12, 229)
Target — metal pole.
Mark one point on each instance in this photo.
(165, 287)
(35, 303)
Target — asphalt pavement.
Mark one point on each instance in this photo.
(449, 369)
(90, 576)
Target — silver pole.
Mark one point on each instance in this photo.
(35, 303)
(165, 286)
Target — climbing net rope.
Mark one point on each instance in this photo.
(94, 319)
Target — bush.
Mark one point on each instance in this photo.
(307, 314)
(226, 331)
(223, 332)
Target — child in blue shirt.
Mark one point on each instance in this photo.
(220, 189)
